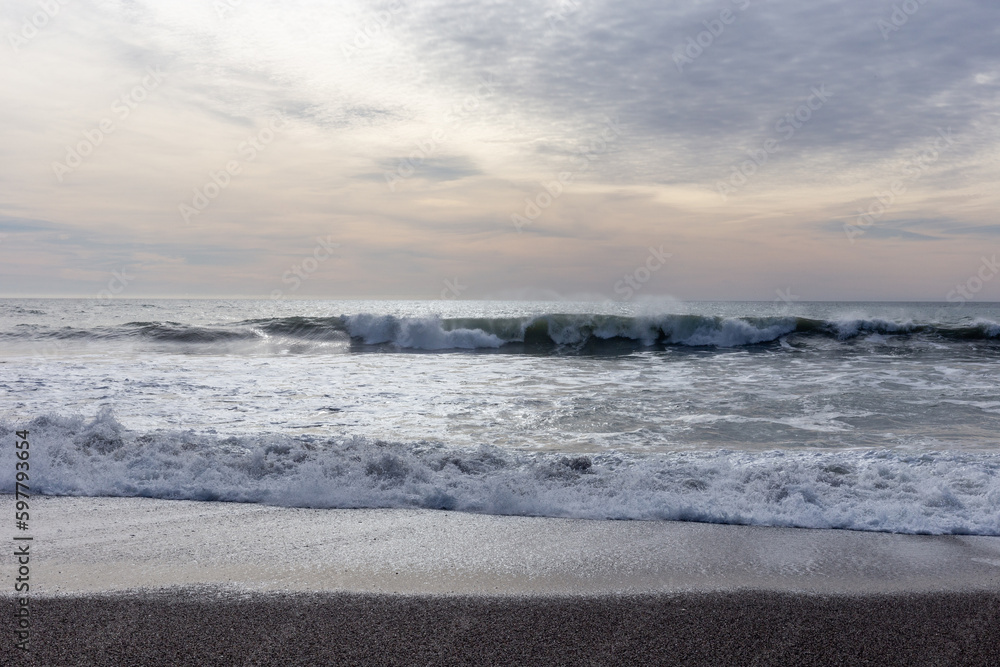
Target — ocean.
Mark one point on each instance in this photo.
(863, 416)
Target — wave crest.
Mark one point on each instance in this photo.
(581, 332)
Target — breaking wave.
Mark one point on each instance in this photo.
(873, 490)
(581, 332)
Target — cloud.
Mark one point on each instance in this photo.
(696, 89)
(916, 229)
(12, 224)
(437, 169)
(619, 58)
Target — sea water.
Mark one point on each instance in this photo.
(869, 416)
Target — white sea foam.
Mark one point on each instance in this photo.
(728, 333)
(416, 333)
(988, 327)
(433, 333)
(850, 328)
(939, 493)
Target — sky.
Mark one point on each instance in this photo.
(722, 149)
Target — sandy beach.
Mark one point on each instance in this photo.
(142, 581)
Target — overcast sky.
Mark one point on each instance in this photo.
(819, 150)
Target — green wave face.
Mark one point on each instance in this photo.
(551, 331)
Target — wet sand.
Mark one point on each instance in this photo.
(139, 581)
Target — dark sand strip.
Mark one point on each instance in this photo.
(202, 627)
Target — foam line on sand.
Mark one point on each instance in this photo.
(107, 544)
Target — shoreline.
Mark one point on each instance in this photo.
(93, 545)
